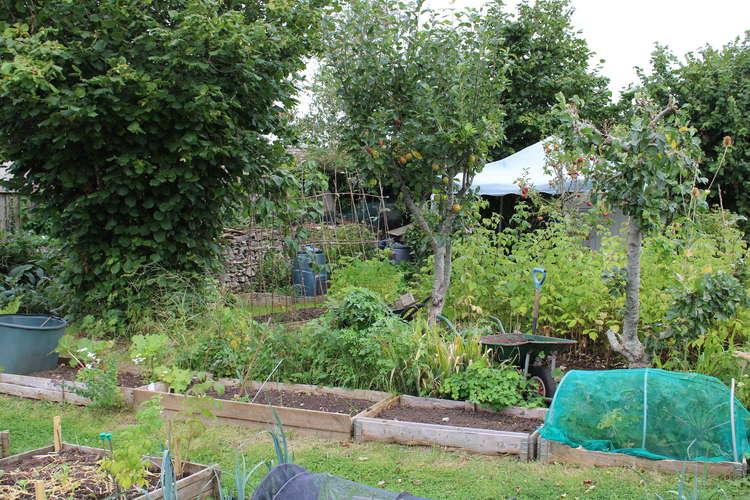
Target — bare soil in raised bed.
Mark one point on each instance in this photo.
(69, 474)
(303, 400)
(304, 314)
(461, 418)
(64, 371)
(590, 361)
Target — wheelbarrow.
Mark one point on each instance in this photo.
(406, 306)
(534, 354)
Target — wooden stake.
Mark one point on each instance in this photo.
(39, 491)
(56, 433)
(4, 444)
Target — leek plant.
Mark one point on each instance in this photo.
(242, 474)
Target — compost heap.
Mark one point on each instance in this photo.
(649, 413)
(292, 482)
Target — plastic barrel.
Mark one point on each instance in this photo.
(27, 342)
(400, 253)
(309, 274)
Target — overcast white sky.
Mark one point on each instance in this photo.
(623, 32)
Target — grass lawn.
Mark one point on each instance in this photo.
(431, 472)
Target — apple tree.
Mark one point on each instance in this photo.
(418, 103)
(710, 84)
(647, 167)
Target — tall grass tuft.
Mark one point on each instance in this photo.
(437, 355)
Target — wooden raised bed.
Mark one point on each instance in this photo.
(259, 416)
(554, 452)
(58, 391)
(368, 427)
(200, 483)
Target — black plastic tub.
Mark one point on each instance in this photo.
(27, 342)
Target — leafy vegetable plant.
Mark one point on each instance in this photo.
(149, 351)
(97, 370)
(126, 463)
(496, 388)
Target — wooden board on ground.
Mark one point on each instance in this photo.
(368, 427)
(554, 452)
(4, 444)
(259, 416)
(202, 481)
(58, 391)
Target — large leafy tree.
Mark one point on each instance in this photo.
(417, 99)
(712, 88)
(134, 124)
(545, 55)
(647, 166)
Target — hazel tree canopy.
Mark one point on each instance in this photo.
(135, 124)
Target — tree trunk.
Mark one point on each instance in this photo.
(627, 343)
(440, 241)
(441, 277)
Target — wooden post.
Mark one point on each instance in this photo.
(39, 491)
(4, 444)
(56, 433)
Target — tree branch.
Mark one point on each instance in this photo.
(671, 108)
(413, 207)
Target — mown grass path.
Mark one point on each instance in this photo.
(432, 472)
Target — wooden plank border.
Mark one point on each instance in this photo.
(58, 391)
(274, 300)
(202, 481)
(259, 416)
(4, 444)
(554, 452)
(368, 427)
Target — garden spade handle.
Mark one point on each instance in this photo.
(538, 282)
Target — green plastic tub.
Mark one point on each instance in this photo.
(27, 342)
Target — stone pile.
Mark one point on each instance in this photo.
(244, 250)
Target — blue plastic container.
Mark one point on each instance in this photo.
(309, 272)
(27, 342)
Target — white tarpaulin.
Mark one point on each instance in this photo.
(500, 177)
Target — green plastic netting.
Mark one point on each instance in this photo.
(649, 413)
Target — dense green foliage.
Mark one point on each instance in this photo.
(693, 311)
(712, 299)
(378, 275)
(546, 55)
(583, 296)
(358, 343)
(708, 85)
(135, 124)
(31, 266)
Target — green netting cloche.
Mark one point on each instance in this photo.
(649, 413)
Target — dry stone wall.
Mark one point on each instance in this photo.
(244, 250)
